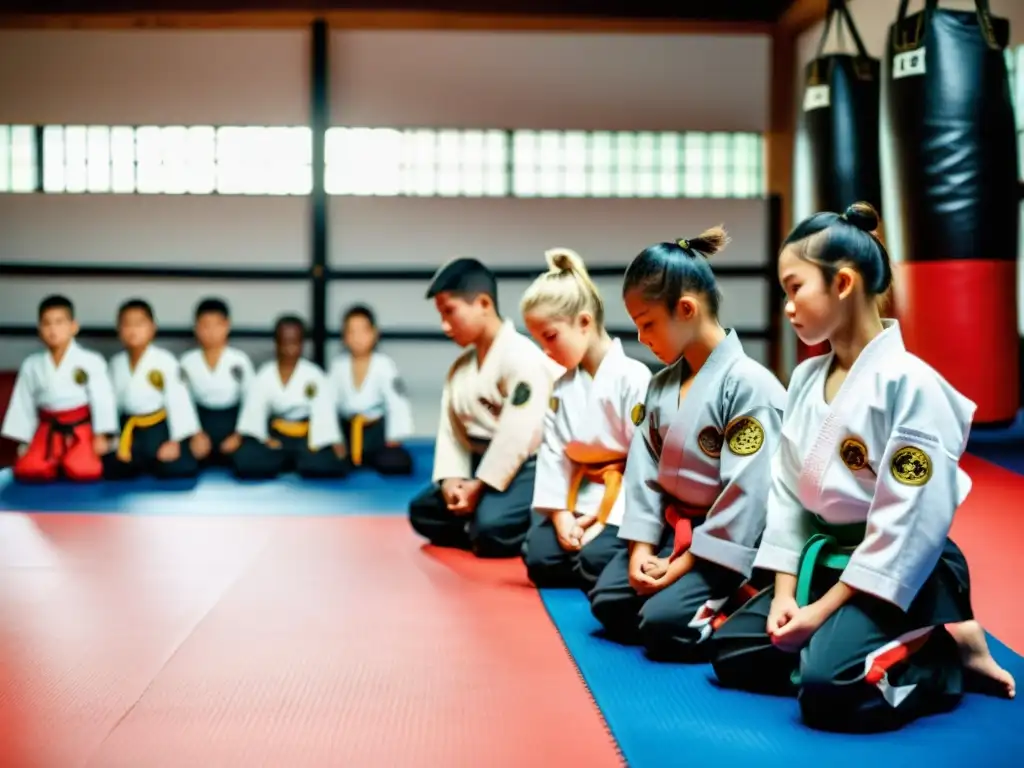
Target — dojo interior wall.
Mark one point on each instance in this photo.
(377, 79)
(873, 19)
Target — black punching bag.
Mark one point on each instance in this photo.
(840, 120)
(948, 121)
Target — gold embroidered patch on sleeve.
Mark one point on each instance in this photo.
(745, 435)
(911, 466)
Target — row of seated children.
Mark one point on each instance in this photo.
(798, 541)
(75, 416)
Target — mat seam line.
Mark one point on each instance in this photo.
(586, 686)
(170, 657)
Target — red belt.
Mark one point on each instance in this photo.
(681, 516)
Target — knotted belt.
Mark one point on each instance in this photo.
(596, 465)
(143, 421)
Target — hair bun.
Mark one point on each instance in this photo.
(863, 216)
(563, 260)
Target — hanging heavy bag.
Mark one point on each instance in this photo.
(840, 120)
(948, 122)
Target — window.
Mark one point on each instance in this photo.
(177, 160)
(637, 164)
(416, 162)
(17, 158)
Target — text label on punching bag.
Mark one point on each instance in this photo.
(816, 97)
(908, 64)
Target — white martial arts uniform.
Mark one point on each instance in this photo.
(155, 385)
(709, 456)
(223, 386)
(492, 421)
(500, 403)
(307, 397)
(81, 380)
(381, 395)
(592, 415)
(702, 466)
(864, 491)
(885, 452)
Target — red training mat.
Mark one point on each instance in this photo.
(163, 641)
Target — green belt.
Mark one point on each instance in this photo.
(830, 547)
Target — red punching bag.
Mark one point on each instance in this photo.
(840, 121)
(949, 121)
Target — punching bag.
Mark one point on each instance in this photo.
(840, 119)
(949, 123)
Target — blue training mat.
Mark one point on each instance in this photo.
(216, 492)
(667, 715)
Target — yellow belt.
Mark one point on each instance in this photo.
(597, 465)
(145, 421)
(359, 424)
(287, 428)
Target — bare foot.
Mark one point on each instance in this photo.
(977, 659)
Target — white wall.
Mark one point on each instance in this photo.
(873, 19)
(378, 79)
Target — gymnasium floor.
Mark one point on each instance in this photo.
(303, 624)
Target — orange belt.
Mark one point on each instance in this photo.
(596, 465)
(359, 423)
(681, 516)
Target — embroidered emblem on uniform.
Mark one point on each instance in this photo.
(745, 435)
(710, 441)
(310, 391)
(637, 414)
(854, 454)
(521, 395)
(81, 377)
(156, 379)
(553, 404)
(911, 466)
(236, 373)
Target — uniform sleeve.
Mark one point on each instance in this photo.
(248, 376)
(102, 403)
(334, 382)
(736, 520)
(521, 424)
(398, 419)
(643, 519)
(323, 415)
(22, 419)
(916, 495)
(451, 459)
(551, 486)
(182, 420)
(634, 391)
(255, 412)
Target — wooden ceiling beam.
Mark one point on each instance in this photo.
(381, 20)
(802, 15)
